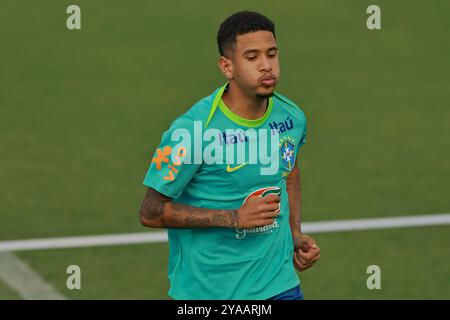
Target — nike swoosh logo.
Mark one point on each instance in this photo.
(230, 169)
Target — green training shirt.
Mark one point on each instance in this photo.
(229, 263)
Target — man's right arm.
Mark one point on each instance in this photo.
(158, 211)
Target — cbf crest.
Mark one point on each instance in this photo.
(287, 145)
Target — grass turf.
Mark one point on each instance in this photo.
(82, 111)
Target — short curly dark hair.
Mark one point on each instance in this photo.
(239, 23)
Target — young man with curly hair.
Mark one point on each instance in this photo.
(234, 226)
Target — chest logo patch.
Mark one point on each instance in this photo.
(287, 152)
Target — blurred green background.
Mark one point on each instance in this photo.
(81, 112)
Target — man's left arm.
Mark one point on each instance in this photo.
(306, 251)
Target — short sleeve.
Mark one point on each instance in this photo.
(171, 168)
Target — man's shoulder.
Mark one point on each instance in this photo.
(199, 111)
(289, 106)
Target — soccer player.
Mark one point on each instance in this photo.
(234, 222)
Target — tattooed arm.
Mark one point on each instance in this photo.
(158, 211)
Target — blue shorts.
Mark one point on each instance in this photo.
(291, 294)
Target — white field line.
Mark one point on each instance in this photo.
(158, 236)
(84, 241)
(24, 280)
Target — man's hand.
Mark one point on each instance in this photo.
(306, 251)
(258, 211)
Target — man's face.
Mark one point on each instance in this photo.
(255, 64)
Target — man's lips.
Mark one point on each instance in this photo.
(268, 81)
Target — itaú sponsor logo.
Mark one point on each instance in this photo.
(241, 233)
(282, 126)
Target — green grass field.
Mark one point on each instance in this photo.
(82, 111)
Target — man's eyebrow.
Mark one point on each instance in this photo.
(248, 51)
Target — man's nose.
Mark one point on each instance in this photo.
(266, 65)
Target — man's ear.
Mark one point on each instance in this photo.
(226, 66)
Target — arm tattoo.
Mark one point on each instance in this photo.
(153, 205)
(182, 215)
(221, 218)
(159, 209)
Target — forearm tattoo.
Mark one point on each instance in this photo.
(159, 208)
(197, 217)
(153, 205)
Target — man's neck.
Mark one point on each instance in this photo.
(244, 106)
